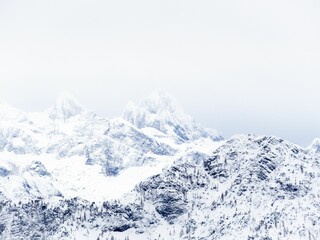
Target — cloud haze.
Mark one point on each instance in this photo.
(237, 66)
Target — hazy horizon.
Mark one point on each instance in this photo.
(138, 100)
(235, 66)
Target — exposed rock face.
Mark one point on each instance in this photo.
(38, 168)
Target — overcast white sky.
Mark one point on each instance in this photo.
(238, 66)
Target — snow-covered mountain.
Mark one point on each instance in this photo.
(154, 173)
(251, 187)
(80, 150)
(162, 112)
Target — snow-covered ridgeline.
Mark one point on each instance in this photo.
(79, 150)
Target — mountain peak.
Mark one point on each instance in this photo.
(156, 110)
(161, 101)
(162, 112)
(315, 145)
(66, 106)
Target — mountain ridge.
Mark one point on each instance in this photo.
(152, 174)
(101, 148)
(250, 187)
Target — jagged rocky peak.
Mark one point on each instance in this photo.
(162, 112)
(315, 145)
(66, 106)
(157, 108)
